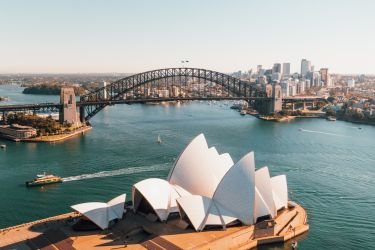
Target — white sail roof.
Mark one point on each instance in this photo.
(159, 194)
(227, 160)
(236, 191)
(232, 200)
(280, 191)
(102, 213)
(190, 157)
(199, 169)
(264, 201)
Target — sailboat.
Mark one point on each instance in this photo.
(159, 140)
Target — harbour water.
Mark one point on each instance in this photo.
(329, 165)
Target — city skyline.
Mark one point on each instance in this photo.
(130, 37)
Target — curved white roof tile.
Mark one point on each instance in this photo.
(264, 202)
(198, 169)
(190, 156)
(102, 213)
(232, 200)
(236, 192)
(196, 208)
(280, 191)
(159, 194)
(227, 160)
(116, 206)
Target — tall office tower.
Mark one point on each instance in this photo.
(324, 76)
(259, 69)
(286, 69)
(305, 67)
(276, 68)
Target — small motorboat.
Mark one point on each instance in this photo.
(159, 139)
(243, 112)
(43, 179)
(3, 146)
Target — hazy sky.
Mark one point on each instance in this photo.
(133, 36)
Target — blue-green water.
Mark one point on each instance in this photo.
(329, 165)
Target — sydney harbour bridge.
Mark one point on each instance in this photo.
(170, 84)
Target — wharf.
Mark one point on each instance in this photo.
(134, 231)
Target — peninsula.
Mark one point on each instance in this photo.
(218, 204)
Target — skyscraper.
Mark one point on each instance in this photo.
(305, 67)
(324, 75)
(286, 69)
(276, 68)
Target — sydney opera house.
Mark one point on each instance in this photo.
(207, 201)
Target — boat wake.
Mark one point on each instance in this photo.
(122, 171)
(320, 132)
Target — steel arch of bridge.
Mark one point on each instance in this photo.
(95, 101)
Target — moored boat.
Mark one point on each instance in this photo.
(43, 179)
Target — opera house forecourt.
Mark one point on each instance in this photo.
(206, 202)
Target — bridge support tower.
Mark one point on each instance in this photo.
(272, 105)
(68, 112)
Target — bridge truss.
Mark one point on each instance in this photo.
(184, 83)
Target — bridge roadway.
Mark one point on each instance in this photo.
(56, 106)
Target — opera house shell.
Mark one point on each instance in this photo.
(207, 189)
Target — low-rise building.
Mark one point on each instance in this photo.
(17, 131)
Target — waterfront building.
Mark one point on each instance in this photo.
(314, 79)
(305, 67)
(286, 69)
(301, 87)
(16, 131)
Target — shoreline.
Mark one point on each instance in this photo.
(51, 138)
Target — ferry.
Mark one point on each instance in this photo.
(43, 179)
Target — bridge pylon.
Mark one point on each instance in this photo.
(68, 111)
